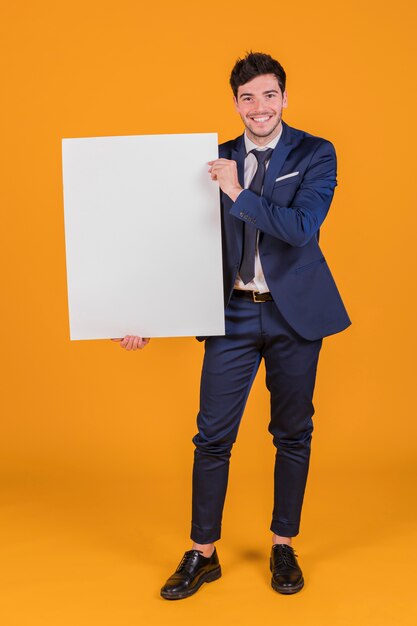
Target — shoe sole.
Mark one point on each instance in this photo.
(208, 578)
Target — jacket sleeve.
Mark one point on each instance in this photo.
(298, 223)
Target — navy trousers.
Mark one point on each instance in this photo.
(253, 331)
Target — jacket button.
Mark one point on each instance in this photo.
(242, 214)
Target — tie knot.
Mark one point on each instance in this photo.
(262, 155)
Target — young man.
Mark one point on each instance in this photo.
(277, 185)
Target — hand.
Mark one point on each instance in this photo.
(225, 172)
(133, 342)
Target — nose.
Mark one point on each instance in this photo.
(257, 104)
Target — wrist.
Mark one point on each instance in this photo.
(234, 193)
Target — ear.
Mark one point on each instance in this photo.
(284, 100)
(235, 103)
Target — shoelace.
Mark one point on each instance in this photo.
(284, 558)
(186, 560)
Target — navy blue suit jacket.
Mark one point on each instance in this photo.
(298, 190)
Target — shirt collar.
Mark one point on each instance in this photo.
(249, 145)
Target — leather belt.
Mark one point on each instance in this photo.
(253, 296)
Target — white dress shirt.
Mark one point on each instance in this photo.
(258, 283)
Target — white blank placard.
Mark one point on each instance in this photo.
(143, 236)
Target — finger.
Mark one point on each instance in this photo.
(136, 341)
(219, 167)
(220, 160)
(130, 342)
(125, 341)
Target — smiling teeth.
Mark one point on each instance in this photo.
(261, 119)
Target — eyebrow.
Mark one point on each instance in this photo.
(264, 93)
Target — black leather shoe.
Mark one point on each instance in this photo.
(287, 576)
(194, 570)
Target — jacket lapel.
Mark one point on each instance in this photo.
(238, 155)
(279, 155)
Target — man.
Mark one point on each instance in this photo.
(277, 185)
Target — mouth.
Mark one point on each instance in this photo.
(260, 119)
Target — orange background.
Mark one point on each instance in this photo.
(95, 450)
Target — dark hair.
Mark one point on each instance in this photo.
(254, 64)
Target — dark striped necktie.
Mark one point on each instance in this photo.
(247, 265)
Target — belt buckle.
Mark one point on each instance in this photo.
(255, 294)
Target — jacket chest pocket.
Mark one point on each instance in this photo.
(307, 266)
(284, 191)
(287, 179)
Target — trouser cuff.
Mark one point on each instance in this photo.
(205, 535)
(285, 529)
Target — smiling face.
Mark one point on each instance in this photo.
(259, 103)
